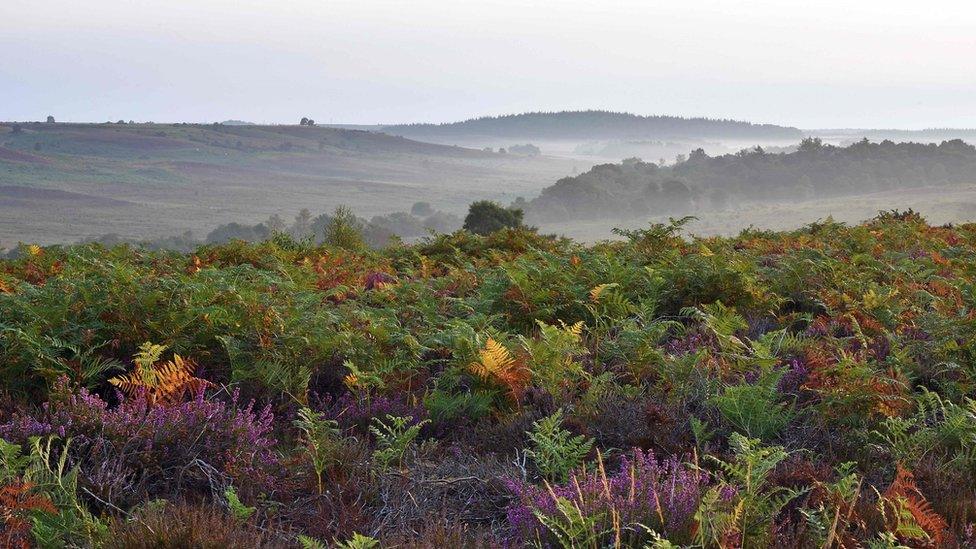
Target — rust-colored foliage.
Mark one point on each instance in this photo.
(165, 383)
(17, 502)
(904, 488)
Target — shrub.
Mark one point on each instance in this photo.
(660, 494)
(486, 217)
(158, 451)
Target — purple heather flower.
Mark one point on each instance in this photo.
(661, 494)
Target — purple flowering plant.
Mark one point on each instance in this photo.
(643, 492)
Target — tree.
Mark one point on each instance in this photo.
(344, 230)
(275, 224)
(422, 209)
(811, 144)
(50, 119)
(303, 121)
(311, 122)
(302, 223)
(485, 217)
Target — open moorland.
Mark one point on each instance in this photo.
(64, 182)
(810, 388)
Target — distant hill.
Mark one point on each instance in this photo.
(596, 125)
(114, 140)
(704, 183)
(238, 123)
(61, 182)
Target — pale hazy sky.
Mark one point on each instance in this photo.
(812, 64)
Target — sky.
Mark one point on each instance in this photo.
(810, 64)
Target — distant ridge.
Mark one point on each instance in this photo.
(595, 124)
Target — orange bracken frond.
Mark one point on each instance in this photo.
(905, 489)
(17, 503)
(164, 383)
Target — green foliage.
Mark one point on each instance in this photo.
(938, 428)
(320, 439)
(485, 217)
(846, 343)
(308, 542)
(13, 461)
(555, 451)
(832, 516)
(358, 541)
(553, 355)
(571, 527)
(74, 524)
(753, 408)
(754, 504)
(394, 436)
(238, 510)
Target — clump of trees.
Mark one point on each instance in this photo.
(305, 121)
(485, 217)
(525, 150)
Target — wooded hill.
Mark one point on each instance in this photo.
(596, 125)
(634, 188)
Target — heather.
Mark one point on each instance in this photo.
(810, 388)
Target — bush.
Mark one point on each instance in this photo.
(135, 451)
(663, 495)
(486, 217)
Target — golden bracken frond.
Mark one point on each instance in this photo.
(496, 364)
(576, 328)
(494, 359)
(598, 290)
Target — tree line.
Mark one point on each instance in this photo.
(634, 188)
(595, 124)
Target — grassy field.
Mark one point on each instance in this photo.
(62, 182)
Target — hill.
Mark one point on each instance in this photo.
(151, 180)
(593, 124)
(703, 183)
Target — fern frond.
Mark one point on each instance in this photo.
(164, 383)
(599, 289)
(905, 492)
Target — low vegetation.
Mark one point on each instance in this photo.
(811, 388)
